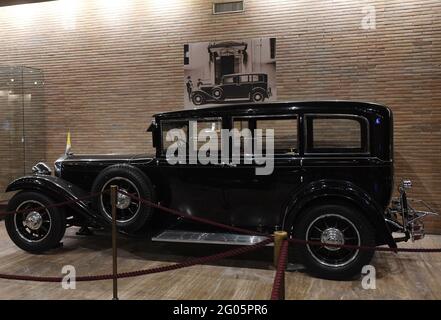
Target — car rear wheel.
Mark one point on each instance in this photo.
(334, 224)
(34, 227)
(131, 213)
(217, 93)
(257, 96)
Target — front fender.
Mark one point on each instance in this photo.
(58, 189)
(342, 190)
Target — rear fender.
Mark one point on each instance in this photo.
(331, 190)
(59, 190)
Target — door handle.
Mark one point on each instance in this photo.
(227, 165)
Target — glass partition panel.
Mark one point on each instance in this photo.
(22, 129)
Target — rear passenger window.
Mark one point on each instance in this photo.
(244, 79)
(285, 133)
(336, 134)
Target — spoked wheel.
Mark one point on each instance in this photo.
(131, 213)
(217, 93)
(257, 96)
(198, 99)
(334, 224)
(35, 227)
(34, 224)
(127, 207)
(333, 229)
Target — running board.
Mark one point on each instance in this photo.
(207, 237)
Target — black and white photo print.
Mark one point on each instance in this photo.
(226, 71)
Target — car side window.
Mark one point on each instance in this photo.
(229, 80)
(209, 127)
(245, 137)
(166, 126)
(285, 133)
(243, 79)
(336, 134)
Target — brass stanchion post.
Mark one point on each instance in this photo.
(279, 236)
(113, 196)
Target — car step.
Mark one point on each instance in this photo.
(207, 237)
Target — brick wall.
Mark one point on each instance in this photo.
(109, 66)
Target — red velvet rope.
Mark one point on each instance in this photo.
(291, 240)
(278, 292)
(228, 227)
(188, 263)
(55, 205)
(194, 218)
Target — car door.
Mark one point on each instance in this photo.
(190, 186)
(244, 86)
(231, 87)
(260, 200)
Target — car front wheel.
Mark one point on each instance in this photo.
(34, 227)
(334, 224)
(198, 99)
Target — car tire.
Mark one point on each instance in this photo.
(337, 224)
(257, 96)
(217, 93)
(198, 99)
(35, 231)
(132, 214)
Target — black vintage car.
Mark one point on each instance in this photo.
(248, 86)
(332, 181)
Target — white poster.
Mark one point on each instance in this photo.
(229, 71)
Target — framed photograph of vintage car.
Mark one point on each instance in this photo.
(221, 72)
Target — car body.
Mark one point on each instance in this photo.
(332, 163)
(240, 86)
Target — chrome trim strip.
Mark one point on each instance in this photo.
(207, 237)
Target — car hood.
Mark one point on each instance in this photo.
(113, 158)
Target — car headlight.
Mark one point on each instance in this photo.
(41, 168)
(57, 168)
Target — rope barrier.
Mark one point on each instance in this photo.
(279, 280)
(349, 246)
(55, 205)
(278, 292)
(194, 218)
(291, 240)
(188, 263)
(225, 226)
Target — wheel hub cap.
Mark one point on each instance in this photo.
(332, 236)
(33, 220)
(122, 200)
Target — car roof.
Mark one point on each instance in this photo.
(269, 108)
(244, 74)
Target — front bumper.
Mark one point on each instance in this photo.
(404, 215)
